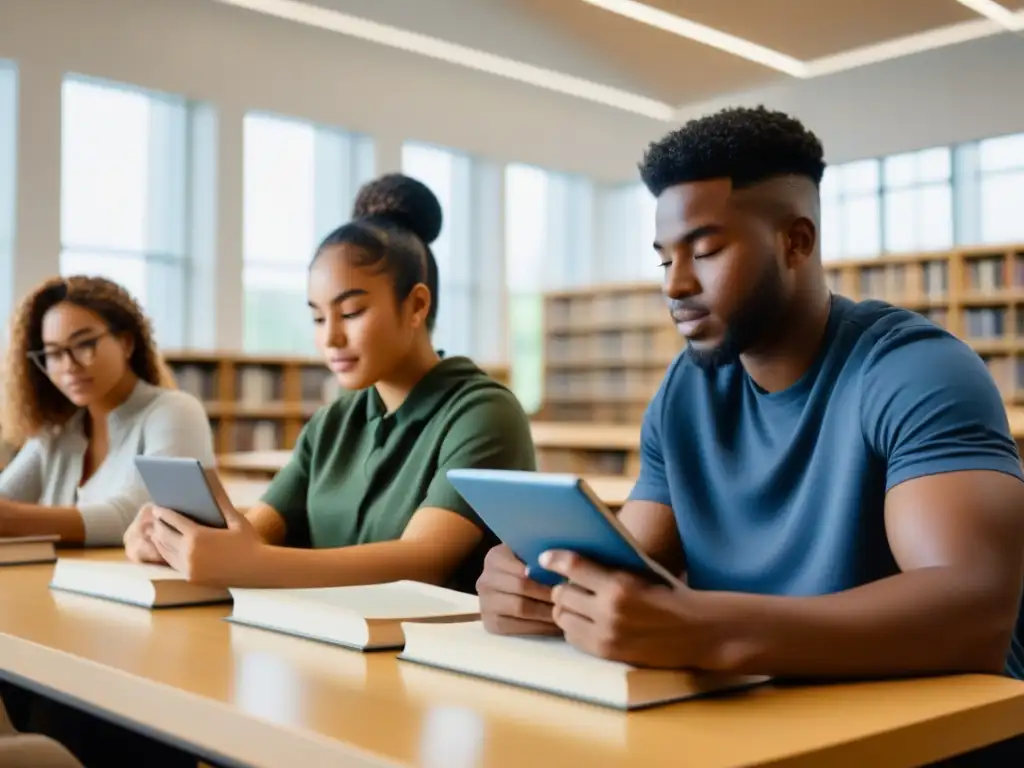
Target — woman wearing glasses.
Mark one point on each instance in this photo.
(85, 392)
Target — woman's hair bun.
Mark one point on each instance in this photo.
(407, 202)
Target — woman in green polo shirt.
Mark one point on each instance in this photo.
(365, 498)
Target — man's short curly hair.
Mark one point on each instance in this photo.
(747, 145)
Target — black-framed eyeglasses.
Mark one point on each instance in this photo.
(81, 353)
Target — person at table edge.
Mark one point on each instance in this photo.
(365, 497)
(834, 482)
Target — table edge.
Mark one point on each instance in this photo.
(211, 729)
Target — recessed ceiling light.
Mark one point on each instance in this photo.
(413, 42)
(700, 33)
(1000, 14)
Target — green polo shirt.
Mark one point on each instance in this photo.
(358, 474)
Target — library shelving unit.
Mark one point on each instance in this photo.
(259, 402)
(606, 350)
(607, 347)
(975, 293)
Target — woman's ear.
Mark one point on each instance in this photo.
(418, 301)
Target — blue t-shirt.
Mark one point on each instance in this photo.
(783, 493)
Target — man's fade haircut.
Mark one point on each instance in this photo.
(745, 144)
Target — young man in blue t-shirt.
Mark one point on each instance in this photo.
(835, 481)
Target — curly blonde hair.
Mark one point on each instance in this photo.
(32, 402)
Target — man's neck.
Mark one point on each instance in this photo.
(781, 363)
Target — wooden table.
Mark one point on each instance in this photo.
(244, 491)
(253, 463)
(242, 696)
(245, 476)
(585, 436)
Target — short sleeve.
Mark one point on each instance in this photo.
(289, 490)
(652, 483)
(929, 406)
(490, 430)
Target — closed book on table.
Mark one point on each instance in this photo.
(24, 550)
(550, 664)
(149, 586)
(366, 617)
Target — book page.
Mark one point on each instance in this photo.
(385, 601)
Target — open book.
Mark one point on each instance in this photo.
(150, 586)
(550, 664)
(363, 617)
(21, 550)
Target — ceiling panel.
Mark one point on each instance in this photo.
(577, 38)
(672, 68)
(811, 28)
(493, 26)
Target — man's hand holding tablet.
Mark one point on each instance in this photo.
(607, 613)
(512, 603)
(587, 577)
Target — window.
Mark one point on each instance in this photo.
(1001, 166)
(624, 251)
(470, 291)
(442, 171)
(123, 195)
(851, 211)
(526, 236)
(548, 245)
(918, 200)
(299, 182)
(8, 180)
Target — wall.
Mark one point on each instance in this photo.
(235, 61)
(941, 97)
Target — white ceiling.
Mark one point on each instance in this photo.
(659, 55)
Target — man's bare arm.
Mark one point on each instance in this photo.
(654, 527)
(958, 538)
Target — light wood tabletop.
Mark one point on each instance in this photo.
(243, 696)
(245, 488)
(585, 436)
(546, 434)
(259, 463)
(244, 491)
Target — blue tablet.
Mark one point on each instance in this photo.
(532, 512)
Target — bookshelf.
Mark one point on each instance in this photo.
(606, 348)
(259, 402)
(975, 293)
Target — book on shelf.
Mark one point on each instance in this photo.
(988, 275)
(24, 550)
(199, 381)
(258, 385)
(552, 665)
(148, 586)
(368, 617)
